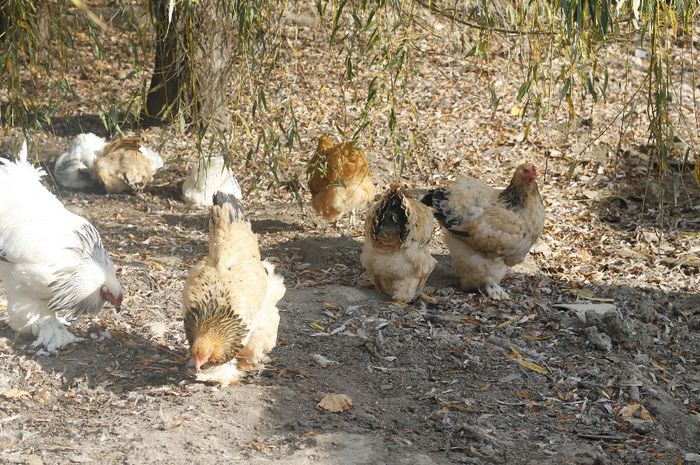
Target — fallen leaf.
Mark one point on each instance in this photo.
(635, 410)
(317, 326)
(323, 361)
(516, 357)
(14, 394)
(533, 366)
(258, 446)
(587, 294)
(157, 266)
(335, 403)
(457, 407)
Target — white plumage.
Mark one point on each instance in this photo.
(52, 262)
(76, 167)
(153, 157)
(207, 177)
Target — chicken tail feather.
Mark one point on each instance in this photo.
(236, 207)
(436, 199)
(391, 218)
(22, 155)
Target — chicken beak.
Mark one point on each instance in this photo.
(118, 303)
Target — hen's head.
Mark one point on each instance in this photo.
(207, 347)
(214, 330)
(325, 142)
(525, 175)
(522, 187)
(111, 291)
(89, 287)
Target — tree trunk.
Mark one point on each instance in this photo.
(193, 54)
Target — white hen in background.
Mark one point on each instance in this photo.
(207, 177)
(76, 167)
(51, 260)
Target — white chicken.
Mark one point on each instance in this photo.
(76, 167)
(52, 261)
(209, 176)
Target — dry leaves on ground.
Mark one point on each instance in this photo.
(335, 403)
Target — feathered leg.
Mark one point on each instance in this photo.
(53, 335)
(34, 316)
(496, 292)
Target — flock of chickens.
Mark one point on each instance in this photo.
(54, 266)
(486, 230)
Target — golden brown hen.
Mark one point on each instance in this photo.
(339, 179)
(397, 232)
(123, 167)
(230, 298)
(488, 230)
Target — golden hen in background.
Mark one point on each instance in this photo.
(489, 230)
(339, 179)
(398, 229)
(125, 165)
(230, 299)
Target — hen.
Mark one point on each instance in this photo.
(208, 177)
(339, 179)
(52, 262)
(397, 232)
(230, 298)
(76, 167)
(126, 165)
(488, 230)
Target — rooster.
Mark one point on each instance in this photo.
(126, 165)
(395, 253)
(208, 177)
(52, 262)
(489, 230)
(76, 167)
(230, 299)
(339, 179)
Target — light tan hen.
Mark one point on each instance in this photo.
(230, 299)
(398, 229)
(123, 167)
(489, 230)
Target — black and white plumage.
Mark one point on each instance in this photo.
(52, 261)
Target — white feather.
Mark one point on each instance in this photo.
(76, 167)
(43, 246)
(207, 177)
(153, 157)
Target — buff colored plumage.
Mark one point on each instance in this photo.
(489, 230)
(395, 253)
(123, 166)
(339, 179)
(230, 298)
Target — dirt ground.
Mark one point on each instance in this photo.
(454, 379)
